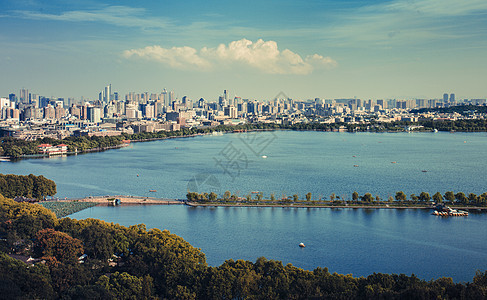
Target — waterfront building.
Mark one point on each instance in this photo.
(52, 150)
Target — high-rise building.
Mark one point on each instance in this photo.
(226, 96)
(106, 94)
(94, 114)
(165, 98)
(452, 98)
(381, 103)
(445, 97)
(49, 112)
(24, 96)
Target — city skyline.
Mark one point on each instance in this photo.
(327, 49)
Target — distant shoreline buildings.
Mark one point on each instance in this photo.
(30, 116)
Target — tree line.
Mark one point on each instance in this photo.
(400, 198)
(28, 186)
(136, 263)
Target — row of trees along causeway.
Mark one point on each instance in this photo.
(92, 259)
(16, 148)
(400, 199)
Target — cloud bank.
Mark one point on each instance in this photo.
(261, 55)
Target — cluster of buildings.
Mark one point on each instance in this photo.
(30, 116)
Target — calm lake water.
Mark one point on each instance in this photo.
(286, 163)
(357, 241)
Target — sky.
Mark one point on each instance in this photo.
(399, 49)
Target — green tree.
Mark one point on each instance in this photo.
(355, 196)
(472, 198)
(413, 197)
(438, 198)
(368, 197)
(308, 197)
(461, 197)
(449, 196)
(122, 285)
(213, 196)
(57, 244)
(401, 196)
(424, 196)
(273, 198)
(295, 197)
(260, 196)
(191, 196)
(226, 195)
(332, 197)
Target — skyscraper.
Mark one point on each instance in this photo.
(24, 96)
(452, 98)
(445, 97)
(165, 98)
(107, 93)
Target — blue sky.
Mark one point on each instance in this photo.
(255, 49)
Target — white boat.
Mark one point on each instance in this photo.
(264, 156)
(301, 245)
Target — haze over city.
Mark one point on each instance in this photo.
(256, 49)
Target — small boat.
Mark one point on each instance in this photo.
(152, 191)
(264, 156)
(301, 245)
(393, 162)
(355, 166)
(353, 156)
(137, 175)
(424, 171)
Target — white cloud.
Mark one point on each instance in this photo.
(262, 55)
(176, 57)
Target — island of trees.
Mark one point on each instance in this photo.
(15, 148)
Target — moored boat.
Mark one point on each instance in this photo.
(445, 211)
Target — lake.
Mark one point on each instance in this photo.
(285, 163)
(296, 163)
(356, 241)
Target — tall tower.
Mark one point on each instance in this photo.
(107, 93)
(24, 96)
(165, 98)
(452, 98)
(445, 97)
